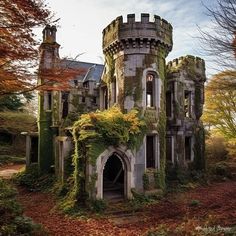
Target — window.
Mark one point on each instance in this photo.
(169, 148)
(65, 104)
(150, 90)
(150, 152)
(105, 98)
(83, 99)
(168, 104)
(188, 149)
(47, 100)
(187, 103)
(114, 90)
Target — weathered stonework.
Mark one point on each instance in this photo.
(135, 76)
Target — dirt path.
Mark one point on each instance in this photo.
(216, 204)
(7, 171)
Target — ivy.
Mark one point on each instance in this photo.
(96, 131)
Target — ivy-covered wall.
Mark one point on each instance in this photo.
(93, 133)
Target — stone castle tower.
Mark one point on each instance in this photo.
(47, 117)
(134, 77)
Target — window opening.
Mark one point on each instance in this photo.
(187, 103)
(150, 90)
(188, 149)
(168, 104)
(150, 152)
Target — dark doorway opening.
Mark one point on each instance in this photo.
(113, 179)
(34, 150)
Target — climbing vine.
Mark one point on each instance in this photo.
(93, 133)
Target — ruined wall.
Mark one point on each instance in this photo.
(185, 83)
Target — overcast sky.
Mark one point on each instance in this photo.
(82, 21)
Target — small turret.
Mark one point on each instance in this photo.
(49, 34)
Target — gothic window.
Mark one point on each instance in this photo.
(150, 151)
(65, 104)
(188, 148)
(187, 103)
(168, 104)
(83, 99)
(150, 88)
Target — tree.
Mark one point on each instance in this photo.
(18, 52)
(220, 105)
(221, 43)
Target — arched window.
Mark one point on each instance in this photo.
(150, 90)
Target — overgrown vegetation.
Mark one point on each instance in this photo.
(93, 133)
(33, 180)
(12, 222)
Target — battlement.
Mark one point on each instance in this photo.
(189, 63)
(156, 31)
(49, 34)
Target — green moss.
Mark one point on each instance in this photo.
(145, 181)
(199, 147)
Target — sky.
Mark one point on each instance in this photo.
(82, 21)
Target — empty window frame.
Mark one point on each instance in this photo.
(113, 89)
(187, 103)
(188, 148)
(168, 104)
(47, 100)
(150, 90)
(150, 151)
(65, 104)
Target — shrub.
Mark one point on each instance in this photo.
(216, 149)
(33, 180)
(11, 221)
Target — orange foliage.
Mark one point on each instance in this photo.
(17, 49)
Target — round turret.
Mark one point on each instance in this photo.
(119, 35)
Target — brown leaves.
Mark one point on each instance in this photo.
(17, 45)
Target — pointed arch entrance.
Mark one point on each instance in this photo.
(113, 178)
(114, 168)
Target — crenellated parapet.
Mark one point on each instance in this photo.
(119, 35)
(194, 66)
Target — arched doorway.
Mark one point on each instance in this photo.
(113, 178)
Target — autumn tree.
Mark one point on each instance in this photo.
(18, 51)
(220, 41)
(220, 104)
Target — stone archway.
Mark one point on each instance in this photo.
(114, 178)
(126, 160)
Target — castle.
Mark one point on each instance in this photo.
(135, 75)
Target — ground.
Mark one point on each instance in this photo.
(210, 205)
